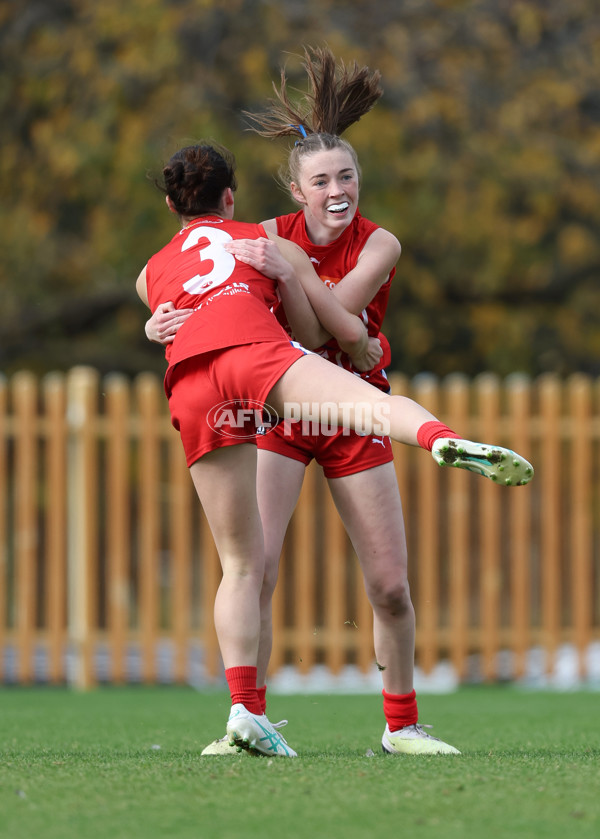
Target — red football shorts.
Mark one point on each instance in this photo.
(216, 398)
(340, 452)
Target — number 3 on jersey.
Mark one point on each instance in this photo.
(223, 262)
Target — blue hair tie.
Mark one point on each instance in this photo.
(301, 130)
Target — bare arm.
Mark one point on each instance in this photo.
(355, 291)
(280, 264)
(346, 328)
(307, 302)
(140, 286)
(360, 285)
(349, 330)
(264, 255)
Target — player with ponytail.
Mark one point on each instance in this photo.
(355, 259)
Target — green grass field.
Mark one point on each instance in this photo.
(124, 763)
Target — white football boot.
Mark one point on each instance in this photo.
(223, 747)
(500, 465)
(413, 740)
(255, 734)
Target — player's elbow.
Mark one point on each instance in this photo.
(356, 334)
(315, 338)
(354, 337)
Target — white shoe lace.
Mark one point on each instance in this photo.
(419, 728)
(276, 725)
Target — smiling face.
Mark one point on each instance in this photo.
(327, 190)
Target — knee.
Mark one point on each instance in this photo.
(391, 598)
(270, 578)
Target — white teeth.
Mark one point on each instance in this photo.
(338, 208)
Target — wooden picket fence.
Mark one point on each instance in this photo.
(105, 555)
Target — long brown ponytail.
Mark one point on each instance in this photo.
(339, 95)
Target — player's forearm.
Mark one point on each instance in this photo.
(334, 320)
(348, 329)
(300, 315)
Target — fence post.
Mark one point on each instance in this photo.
(55, 547)
(118, 520)
(520, 559)
(181, 513)
(428, 561)
(82, 389)
(579, 394)
(148, 402)
(551, 477)
(459, 548)
(25, 393)
(489, 538)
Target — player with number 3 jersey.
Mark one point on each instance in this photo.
(355, 260)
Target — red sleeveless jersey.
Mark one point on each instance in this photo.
(232, 300)
(332, 262)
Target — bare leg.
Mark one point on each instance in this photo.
(314, 389)
(314, 381)
(370, 507)
(225, 481)
(279, 481)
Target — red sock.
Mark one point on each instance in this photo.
(400, 709)
(431, 431)
(242, 686)
(262, 698)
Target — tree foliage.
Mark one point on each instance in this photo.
(482, 157)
